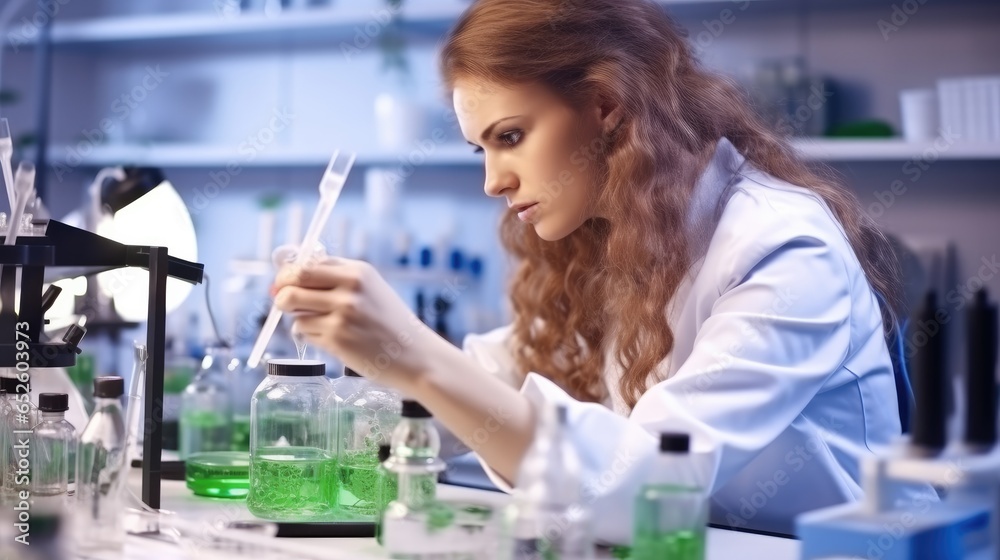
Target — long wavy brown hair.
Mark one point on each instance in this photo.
(607, 285)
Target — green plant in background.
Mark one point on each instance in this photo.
(392, 42)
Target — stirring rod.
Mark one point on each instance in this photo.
(329, 188)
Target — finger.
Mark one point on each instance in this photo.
(311, 326)
(333, 272)
(293, 299)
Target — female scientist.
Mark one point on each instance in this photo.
(678, 269)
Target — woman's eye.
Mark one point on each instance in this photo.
(511, 138)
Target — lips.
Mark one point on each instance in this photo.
(526, 212)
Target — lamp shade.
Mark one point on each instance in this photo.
(159, 218)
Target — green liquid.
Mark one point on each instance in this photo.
(678, 545)
(219, 475)
(241, 433)
(292, 483)
(359, 484)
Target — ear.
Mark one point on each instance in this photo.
(610, 114)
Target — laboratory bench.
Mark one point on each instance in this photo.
(722, 544)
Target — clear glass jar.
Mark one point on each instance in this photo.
(367, 413)
(206, 421)
(292, 468)
(53, 446)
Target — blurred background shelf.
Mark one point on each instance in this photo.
(459, 155)
(327, 24)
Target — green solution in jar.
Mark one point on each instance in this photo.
(291, 483)
(359, 480)
(223, 474)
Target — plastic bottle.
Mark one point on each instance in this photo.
(670, 516)
(546, 518)
(100, 464)
(53, 446)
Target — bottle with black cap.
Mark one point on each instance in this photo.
(671, 512)
(366, 414)
(413, 458)
(292, 469)
(53, 441)
(99, 465)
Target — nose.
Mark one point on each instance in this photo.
(499, 180)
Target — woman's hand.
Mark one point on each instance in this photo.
(346, 308)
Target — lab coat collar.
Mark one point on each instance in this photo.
(710, 194)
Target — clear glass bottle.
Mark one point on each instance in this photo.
(206, 422)
(100, 467)
(367, 413)
(670, 515)
(416, 525)
(292, 469)
(53, 446)
(19, 415)
(546, 518)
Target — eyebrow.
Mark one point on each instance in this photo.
(489, 129)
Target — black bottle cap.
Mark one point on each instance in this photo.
(348, 372)
(53, 402)
(109, 387)
(674, 442)
(296, 368)
(413, 409)
(10, 385)
(384, 450)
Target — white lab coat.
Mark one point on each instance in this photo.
(779, 368)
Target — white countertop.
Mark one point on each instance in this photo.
(721, 545)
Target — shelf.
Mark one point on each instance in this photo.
(458, 155)
(199, 156)
(329, 25)
(893, 149)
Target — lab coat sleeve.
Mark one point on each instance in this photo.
(492, 352)
(778, 330)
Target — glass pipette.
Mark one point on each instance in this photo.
(329, 191)
(7, 152)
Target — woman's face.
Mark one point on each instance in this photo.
(540, 153)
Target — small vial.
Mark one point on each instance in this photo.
(100, 466)
(670, 515)
(54, 446)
